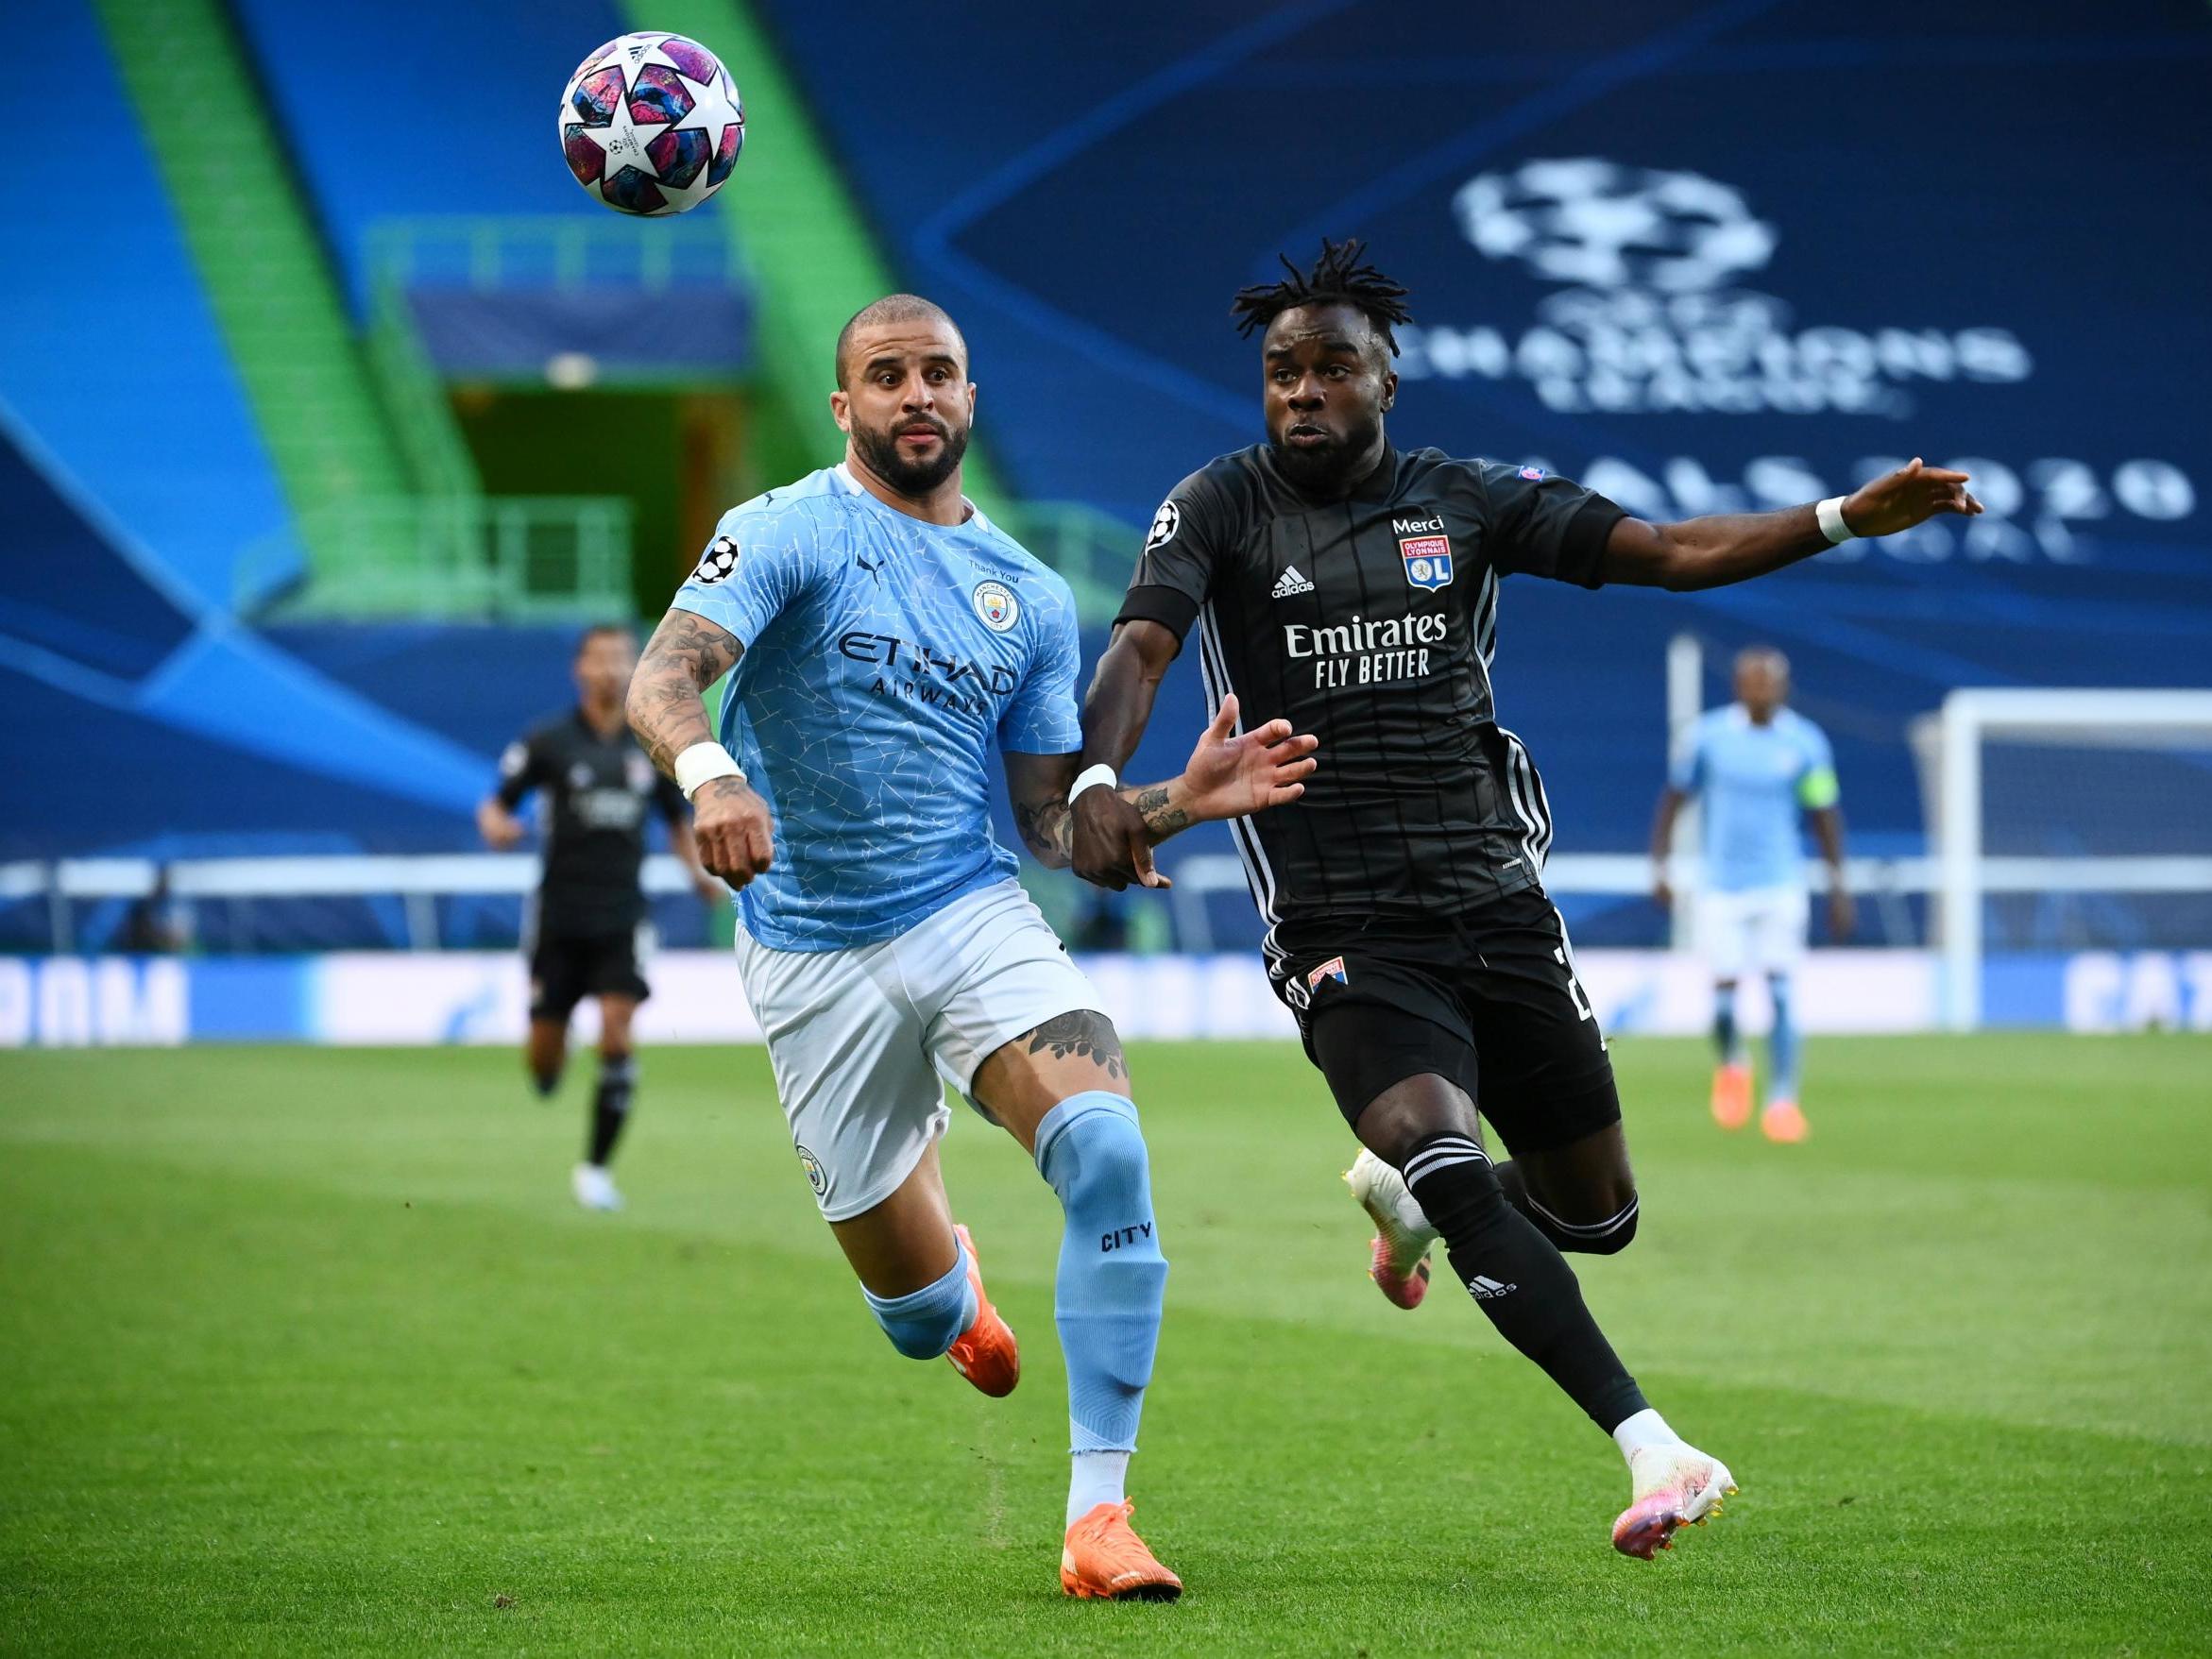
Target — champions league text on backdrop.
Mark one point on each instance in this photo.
(1654, 320)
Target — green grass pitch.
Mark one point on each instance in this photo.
(310, 1351)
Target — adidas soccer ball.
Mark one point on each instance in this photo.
(650, 124)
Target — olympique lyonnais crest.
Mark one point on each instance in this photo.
(1428, 560)
(1333, 968)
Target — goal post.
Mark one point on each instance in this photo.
(2104, 793)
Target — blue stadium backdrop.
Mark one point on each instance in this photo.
(1700, 256)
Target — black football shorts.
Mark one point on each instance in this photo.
(567, 967)
(1486, 999)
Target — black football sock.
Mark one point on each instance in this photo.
(1518, 1277)
(1726, 1040)
(1597, 1238)
(610, 1106)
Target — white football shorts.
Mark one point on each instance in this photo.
(858, 1039)
(1759, 930)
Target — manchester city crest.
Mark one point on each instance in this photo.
(996, 604)
(817, 1177)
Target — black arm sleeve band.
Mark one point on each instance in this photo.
(1582, 548)
(1170, 607)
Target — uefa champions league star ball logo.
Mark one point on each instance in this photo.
(995, 602)
(1164, 524)
(721, 558)
(1603, 225)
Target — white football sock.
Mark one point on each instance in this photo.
(1095, 1477)
(1646, 1427)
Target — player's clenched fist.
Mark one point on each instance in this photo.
(735, 833)
(1110, 844)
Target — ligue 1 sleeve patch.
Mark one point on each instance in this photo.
(722, 559)
(1534, 474)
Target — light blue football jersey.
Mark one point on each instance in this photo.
(1755, 781)
(883, 658)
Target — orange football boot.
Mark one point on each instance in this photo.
(1784, 1123)
(1731, 1095)
(986, 1353)
(1103, 1557)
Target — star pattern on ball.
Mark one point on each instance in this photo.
(651, 165)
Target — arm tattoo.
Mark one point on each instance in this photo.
(1048, 825)
(1087, 1035)
(686, 655)
(1161, 820)
(1048, 829)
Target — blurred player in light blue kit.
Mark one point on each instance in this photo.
(881, 637)
(1755, 765)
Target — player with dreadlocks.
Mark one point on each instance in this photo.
(1352, 588)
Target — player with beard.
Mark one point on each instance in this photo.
(881, 637)
(1352, 588)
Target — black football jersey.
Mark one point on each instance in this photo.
(1371, 623)
(598, 791)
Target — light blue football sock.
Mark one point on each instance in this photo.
(1783, 1042)
(922, 1324)
(1726, 1037)
(1112, 1277)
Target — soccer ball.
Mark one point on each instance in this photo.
(650, 124)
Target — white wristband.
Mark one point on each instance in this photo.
(1830, 514)
(701, 764)
(1090, 778)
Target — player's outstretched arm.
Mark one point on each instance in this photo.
(1109, 841)
(668, 710)
(1228, 776)
(1722, 547)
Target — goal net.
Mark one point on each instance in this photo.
(2068, 821)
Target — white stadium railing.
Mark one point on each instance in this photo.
(418, 880)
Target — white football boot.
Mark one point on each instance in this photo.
(594, 1188)
(1400, 1265)
(1676, 1485)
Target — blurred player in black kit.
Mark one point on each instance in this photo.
(583, 936)
(1352, 588)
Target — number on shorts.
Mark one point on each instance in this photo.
(1573, 985)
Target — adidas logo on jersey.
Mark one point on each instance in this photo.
(1482, 1288)
(1291, 582)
